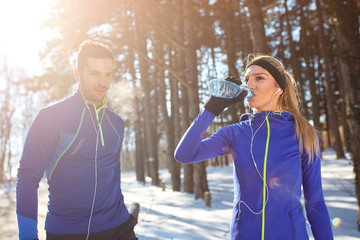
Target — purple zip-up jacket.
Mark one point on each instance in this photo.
(287, 170)
(62, 144)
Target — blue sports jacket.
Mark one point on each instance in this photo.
(62, 142)
(279, 162)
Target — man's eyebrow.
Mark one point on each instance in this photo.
(96, 71)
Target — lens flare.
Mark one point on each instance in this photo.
(274, 182)
(336, 221)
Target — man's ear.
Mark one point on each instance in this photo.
(77, 75)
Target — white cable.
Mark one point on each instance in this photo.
(95, 187)
(95, 161)
(255, 165)
(97, 131)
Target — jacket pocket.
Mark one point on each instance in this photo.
(297, 222)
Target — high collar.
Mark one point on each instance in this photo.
(82, 100)
(282, 116)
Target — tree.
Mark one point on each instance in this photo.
(308, 49)
(332, 116)
(257, 26)
(344, 20)
(141, 45)
(8, 90)
(192, 79)
(294, 59)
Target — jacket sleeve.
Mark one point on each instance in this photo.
(316, 210)
(192, 148)
(38, 148)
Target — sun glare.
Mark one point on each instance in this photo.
(21, 34)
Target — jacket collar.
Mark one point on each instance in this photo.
(82, 100)
(285, 116)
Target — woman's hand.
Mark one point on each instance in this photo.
(216, 105)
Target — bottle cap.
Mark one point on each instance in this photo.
(250, 93)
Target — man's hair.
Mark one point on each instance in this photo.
(93, 49)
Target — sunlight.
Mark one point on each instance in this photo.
(21, 34)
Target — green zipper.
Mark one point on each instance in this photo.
(264, 177)
(100, 128)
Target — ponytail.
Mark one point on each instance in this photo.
(305, 132)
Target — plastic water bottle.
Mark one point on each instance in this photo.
(226, 89)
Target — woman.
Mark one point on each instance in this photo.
(275, 152)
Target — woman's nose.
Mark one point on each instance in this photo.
(250, 84)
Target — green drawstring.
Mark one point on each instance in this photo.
(264, 177)
(99, 123)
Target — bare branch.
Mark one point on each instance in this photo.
(160, 65)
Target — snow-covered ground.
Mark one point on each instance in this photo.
(176, 215)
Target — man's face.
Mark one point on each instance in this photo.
(95, 79)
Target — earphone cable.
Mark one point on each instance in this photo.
(97, 131)
(255, 165)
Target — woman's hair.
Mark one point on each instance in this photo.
(288, 102)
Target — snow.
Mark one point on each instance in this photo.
(177, 215)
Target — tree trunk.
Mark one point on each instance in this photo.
(178, 62)
(185, 120)
(7, 111)
(188, 185)
(192, 79)
(330, 98)
(295, 63)
(139, 156)
(175, 167)
(168, 123)
(257, 26)
(306, 46)
(231, 51)
(245, 34)
(343, 107)
(145, 81)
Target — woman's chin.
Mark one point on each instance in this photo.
(250, 103)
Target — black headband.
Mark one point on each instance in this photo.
(279, 78)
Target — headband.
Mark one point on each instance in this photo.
(279, 77)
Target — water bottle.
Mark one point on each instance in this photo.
(226, 89)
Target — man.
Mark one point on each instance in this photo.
(77, 143)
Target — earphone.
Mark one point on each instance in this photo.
(279, 89)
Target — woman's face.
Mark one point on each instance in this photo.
(264, 86)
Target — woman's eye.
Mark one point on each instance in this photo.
(259, 78)
(246, 80)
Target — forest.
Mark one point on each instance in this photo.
(166, 52)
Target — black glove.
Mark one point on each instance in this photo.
(216, 105)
